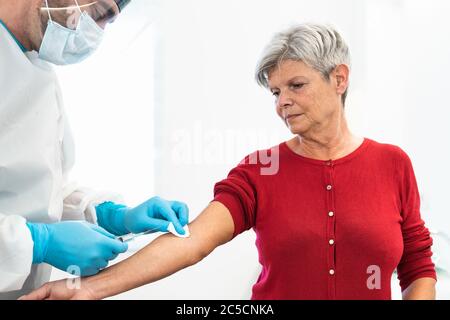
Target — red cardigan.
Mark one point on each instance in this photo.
(331, 229)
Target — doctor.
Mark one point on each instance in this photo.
(37, 152)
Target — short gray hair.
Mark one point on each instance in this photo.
(318, 46)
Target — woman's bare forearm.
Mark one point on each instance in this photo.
(166, 255)
(421, 289)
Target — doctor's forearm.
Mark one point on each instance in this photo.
(166, 255)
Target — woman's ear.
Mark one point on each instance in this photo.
(341, 73)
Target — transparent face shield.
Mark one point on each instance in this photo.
(102, 12)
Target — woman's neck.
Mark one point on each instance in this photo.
(330, 143)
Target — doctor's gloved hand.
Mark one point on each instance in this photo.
(151, 216)
(74, 244)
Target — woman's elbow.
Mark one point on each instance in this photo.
(198, 256)
(200, 252)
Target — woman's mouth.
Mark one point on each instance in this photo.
(292, 116)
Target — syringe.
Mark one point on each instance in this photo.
(131, 236)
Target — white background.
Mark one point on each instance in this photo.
(169, 105)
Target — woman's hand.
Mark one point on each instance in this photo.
(421, 289)
(62, 290)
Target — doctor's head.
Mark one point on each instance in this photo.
(307, 69)
(67, 12)
(62, 31)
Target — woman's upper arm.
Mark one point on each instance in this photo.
(212, 228)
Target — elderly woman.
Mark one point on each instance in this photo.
(335, 219)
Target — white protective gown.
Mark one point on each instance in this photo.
(36, 153)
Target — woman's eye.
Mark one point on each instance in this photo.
(297, 85)
(275, 94)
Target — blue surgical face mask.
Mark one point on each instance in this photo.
(63, 46)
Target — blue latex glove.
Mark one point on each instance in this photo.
(80, 244)
(151, 216)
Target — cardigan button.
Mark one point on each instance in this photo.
(331, 271)
(331, 242)
(331, 213)
(329, 187)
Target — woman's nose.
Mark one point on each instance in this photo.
(284, 101)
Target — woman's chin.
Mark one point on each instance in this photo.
(297, 130)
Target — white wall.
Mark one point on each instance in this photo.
(187, 89)
(109, 100)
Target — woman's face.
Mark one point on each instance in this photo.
(305, 101)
